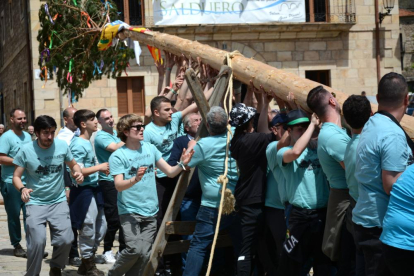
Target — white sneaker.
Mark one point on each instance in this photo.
(109, 257)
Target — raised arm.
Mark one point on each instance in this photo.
(301, 144)
(174, 171)
(263, 124)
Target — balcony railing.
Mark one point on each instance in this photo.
(331, 11)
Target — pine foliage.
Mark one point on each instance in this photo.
(70, 44)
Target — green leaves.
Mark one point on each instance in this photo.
(73, 39)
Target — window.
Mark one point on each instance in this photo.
(132, 11)
(131, 95)
(316, 10)
(321, 76)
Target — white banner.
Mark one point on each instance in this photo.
(187, 12)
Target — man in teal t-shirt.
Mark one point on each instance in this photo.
(308, 192)
(44, 161)
(133, 169)
(275, 192)
(161, 132)
(10, 144)
(382, 155)
(357, 110)
(106, 142)
(86, 200)
(332, 142)
(209, 157)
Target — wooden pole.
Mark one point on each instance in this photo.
(245, 69)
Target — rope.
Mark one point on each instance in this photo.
(228, 204)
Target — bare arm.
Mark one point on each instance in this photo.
(301, 144)
(76, 171)
(104, 167)
(388, 179)
(18, 184)
(263, 124)
(174, 171)
(122, 185)
(284, 141)
(114, 146)
(5, 160)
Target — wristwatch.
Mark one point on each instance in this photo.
(21, 189)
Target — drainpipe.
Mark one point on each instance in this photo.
(377, 42)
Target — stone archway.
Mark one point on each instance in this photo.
(246, 51)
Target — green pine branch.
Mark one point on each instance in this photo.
(70, 38)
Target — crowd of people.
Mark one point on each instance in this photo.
(328, 190)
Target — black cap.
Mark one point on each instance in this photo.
(296, 117)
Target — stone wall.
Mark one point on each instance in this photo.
(407, 31)
(15, 85)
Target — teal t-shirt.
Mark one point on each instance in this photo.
(10, 145)
(209, 156)
(142, 197)
(306, 184)
(44, 171)
(276, 184)
(398, 230)
(162, 137)
(102, 140)
(332, 142)
(85, 157)
(349, 161)
(382, 146)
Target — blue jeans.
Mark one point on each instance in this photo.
(203, 237)
(188, 212)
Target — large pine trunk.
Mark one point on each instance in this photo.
(246, 69)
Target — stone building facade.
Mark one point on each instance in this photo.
(15, 68)
(407, 42)
(340, 54)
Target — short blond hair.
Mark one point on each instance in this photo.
(125, 123)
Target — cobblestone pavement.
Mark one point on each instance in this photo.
(10, 265)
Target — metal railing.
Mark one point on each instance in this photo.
(331, 11)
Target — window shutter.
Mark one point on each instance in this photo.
(121, 85)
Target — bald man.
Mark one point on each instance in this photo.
(67, 134)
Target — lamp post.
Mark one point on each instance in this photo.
(388, 6)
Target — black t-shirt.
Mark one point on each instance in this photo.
(249, 150)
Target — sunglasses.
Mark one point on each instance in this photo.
(138, 127)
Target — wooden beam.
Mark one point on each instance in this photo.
(180, 227)
(170, 214)
(183, 245)
(160, 242)
(245, 69)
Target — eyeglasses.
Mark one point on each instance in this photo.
(138, 127)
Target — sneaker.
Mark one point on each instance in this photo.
(167, 272)
(19, 251)
(109, 257)
(45, 255)
(55, 271)
(76, 261)
(99, 259)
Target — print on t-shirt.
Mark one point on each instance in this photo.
(310, 164)
(167, 142)
(45, 168)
